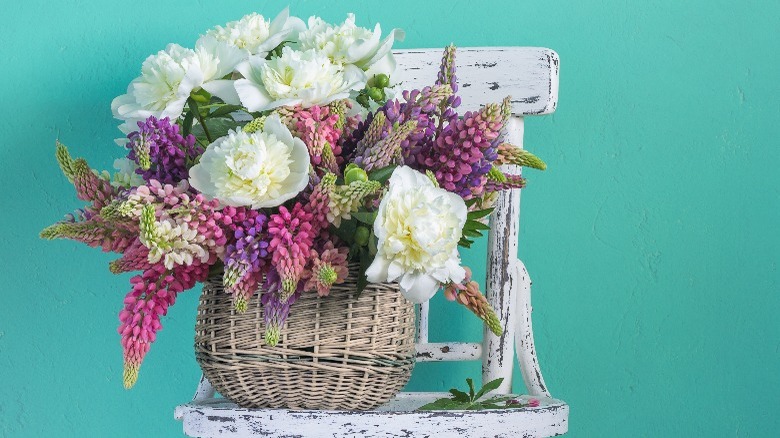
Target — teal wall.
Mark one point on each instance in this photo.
(652, 238)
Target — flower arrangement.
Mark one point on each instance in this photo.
(274, 153)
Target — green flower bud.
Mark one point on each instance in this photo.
(376, 94)
(355, 174)
(362, 99)
(381, 80)
(361, 235)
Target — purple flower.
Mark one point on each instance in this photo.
(161, 152)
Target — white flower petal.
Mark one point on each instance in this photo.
(225, 89)
(252, 96)
(377, 271)
(418, 288)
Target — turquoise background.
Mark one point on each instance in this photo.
(652, 239)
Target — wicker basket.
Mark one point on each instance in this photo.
(335, 352)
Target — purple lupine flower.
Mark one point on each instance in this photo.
(245, 256)
(275, 308)
(161, 152)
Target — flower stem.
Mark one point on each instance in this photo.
(196, 111)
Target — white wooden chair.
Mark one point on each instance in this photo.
(530, 76)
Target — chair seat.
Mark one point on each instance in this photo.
(398, 418)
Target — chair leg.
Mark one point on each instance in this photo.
(524, 336)
(205, 391)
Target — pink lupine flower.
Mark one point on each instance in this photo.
(329, 267)
(291, 239)
(151, 295)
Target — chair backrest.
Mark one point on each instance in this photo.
(530, 76)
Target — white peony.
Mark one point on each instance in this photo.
(350, 44)
(256, 35)
(261, 169)
(166, 81)
(216, 60)
(418, 227)
(168, 78)
(307, 78)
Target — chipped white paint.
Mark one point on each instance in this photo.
(524, 336)
(530, 76)
(205, 391)
(488, 74)
(422, 323)
(501, 282)
(396, 419)
(448, 351)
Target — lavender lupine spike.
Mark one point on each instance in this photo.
(447, 76)
(511, 182)
(276, 306)
(245, 257)
(463, 153)
(375, 131)
(345, 200)
(161, 152)
(387, 151)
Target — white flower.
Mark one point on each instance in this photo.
(168, 78)
(125, 175)
(166, 81)
(262, 169)
(418, 226)
(307, 78)
(174, 244)
(217, 59)
(349, 44)
(256, 35)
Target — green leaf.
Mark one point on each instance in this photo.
(217, 127)
(383, 174)
(459, 396)
(225, 110)
(472, 233)
(365, 261)
(471, 388)
(466, 243)
(477, 214)
(489, 386)
(346, 231)
(187, 123)
(367, 217)
(443, 404)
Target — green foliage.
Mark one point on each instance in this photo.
(383, 174)
(472, 401)
(474, 227)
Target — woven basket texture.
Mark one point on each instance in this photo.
(335, 352)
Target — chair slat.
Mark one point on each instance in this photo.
(448, 351)
(488, 74)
